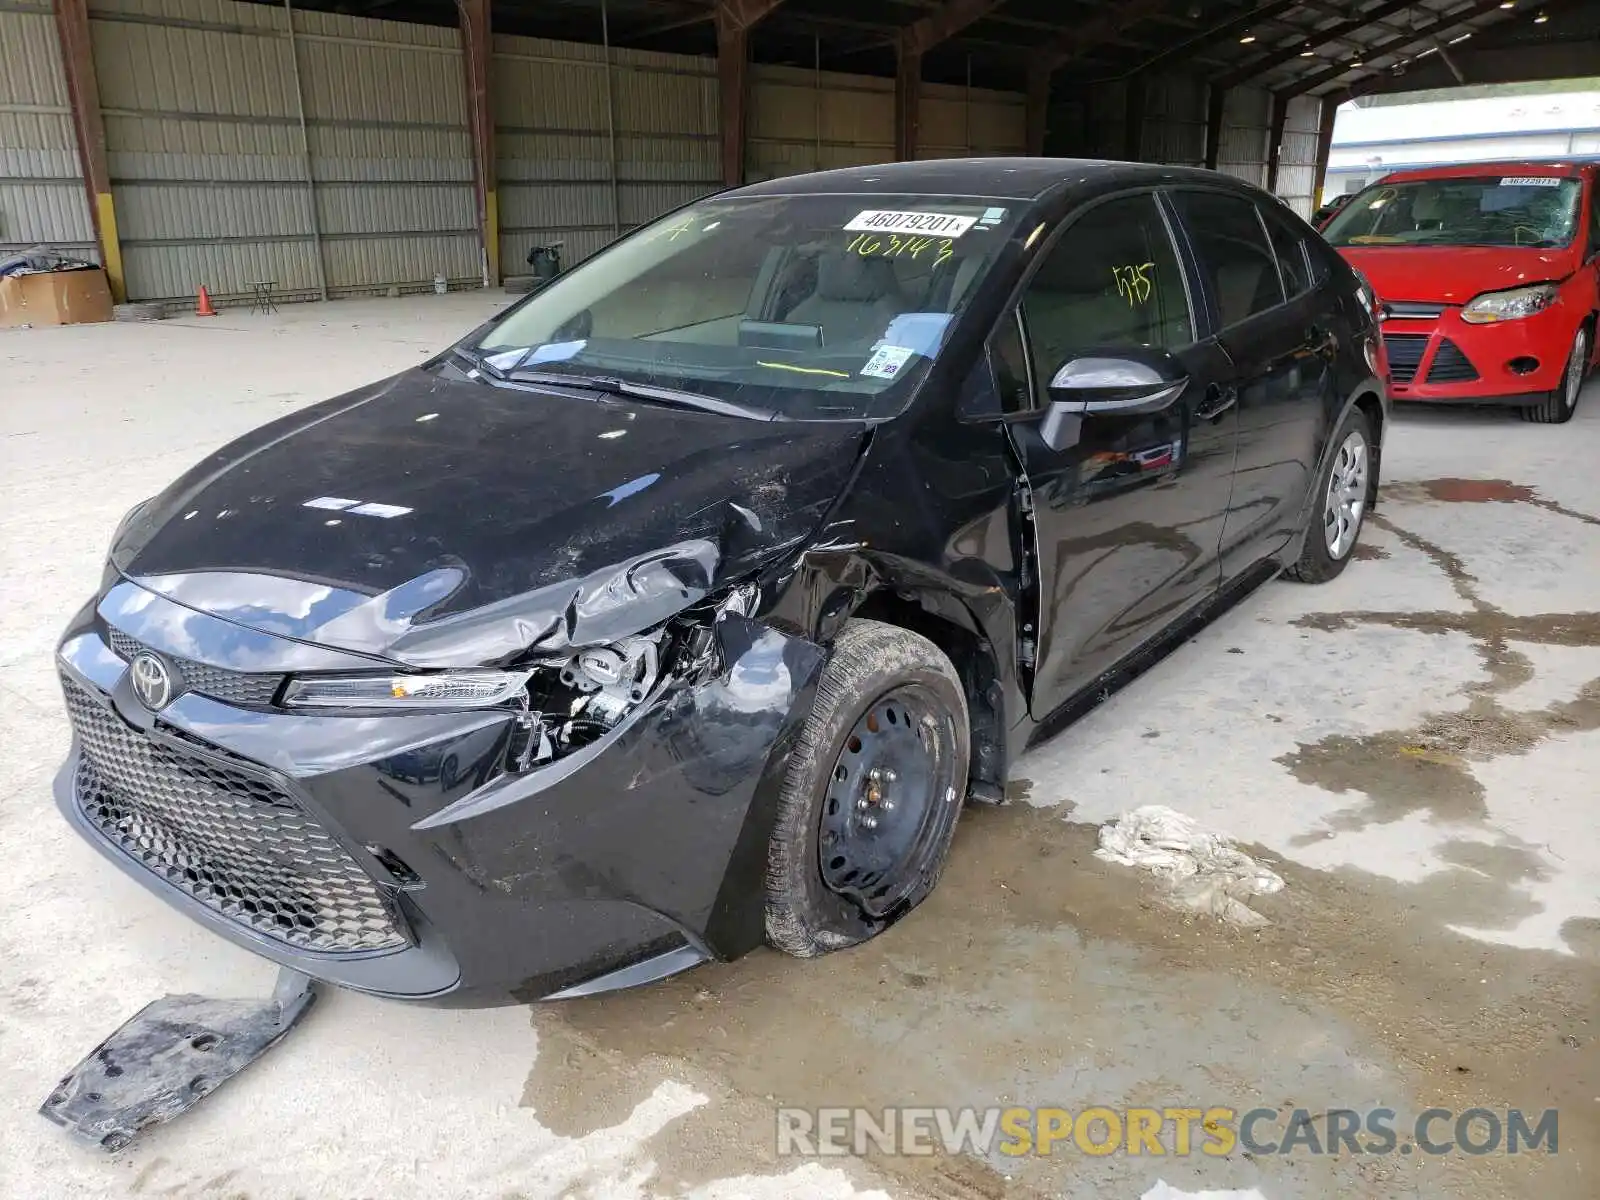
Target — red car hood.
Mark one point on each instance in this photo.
(1453, 274)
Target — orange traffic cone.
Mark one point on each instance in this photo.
(203, 304)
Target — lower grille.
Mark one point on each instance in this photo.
(1450, 365)
(239, 844)
(233, 687)
(1405, 351)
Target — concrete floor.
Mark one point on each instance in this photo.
(1414, 748)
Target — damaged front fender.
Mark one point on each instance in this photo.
(671, 811)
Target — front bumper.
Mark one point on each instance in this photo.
(1447, 360)
(396, 855)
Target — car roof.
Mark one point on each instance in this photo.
(1564, 168)
(1021, 179)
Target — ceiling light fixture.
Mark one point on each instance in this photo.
(1247, 39)
(1509, 4)
(1308, 52)
(1462, 38)
(1541, 18)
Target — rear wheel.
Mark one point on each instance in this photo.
(1558, 407)
(873, 791)
(1342, 491)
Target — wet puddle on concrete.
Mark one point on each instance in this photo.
(1038, 975)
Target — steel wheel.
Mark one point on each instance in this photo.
(1347, 495)
(883, 816)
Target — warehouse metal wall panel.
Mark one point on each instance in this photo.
(41, 184)
(960, 122)
(1246, 119)
(1297, 154)
(203, 106)
(198, 97)
(390, 152)
(587, 151)
(1174, 120)
(803, 120)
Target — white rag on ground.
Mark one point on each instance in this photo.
(1165, 1191)
(1206, 872)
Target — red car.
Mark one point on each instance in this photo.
(1488, 278)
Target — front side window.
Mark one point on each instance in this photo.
(1111, 282)
(1489, 210)
(813, 307)
(1235, 257)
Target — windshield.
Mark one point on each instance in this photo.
(1498, 210)
(808, 307)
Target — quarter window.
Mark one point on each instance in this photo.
(1289, 244)
(1111, 282)
(1238, 264)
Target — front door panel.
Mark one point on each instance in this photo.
(1128, 519)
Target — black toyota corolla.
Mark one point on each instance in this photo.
(685, 604)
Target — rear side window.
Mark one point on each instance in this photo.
(1239, 265)
(1289, 244)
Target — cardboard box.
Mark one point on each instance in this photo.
(55, 298)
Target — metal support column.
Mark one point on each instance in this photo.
(1280, 114)
(611, 121)
(1133, 119)
(476, 51)
(1330, 113)
(88, 126)
(305, 150)
(1216, 106)
(907, 98)
(734, 19)
(1037, 111)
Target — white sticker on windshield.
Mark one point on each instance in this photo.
(886, 362)
(874, 220)
(1531, 181)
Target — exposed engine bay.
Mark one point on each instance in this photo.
(571, 701)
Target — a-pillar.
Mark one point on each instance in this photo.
(88, 126)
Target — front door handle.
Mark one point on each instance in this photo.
(1323, 343)
(1218, 400)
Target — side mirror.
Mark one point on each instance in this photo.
(1101, 385)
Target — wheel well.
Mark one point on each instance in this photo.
(973, 657)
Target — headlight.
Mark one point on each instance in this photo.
(449, 689)
(1509, 305)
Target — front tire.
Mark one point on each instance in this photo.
(1559, 405)
(873, 791)
(1342, 493)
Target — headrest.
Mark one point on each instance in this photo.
(850, 277)
(1427, 206)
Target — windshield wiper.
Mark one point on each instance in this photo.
(479, 362)
(613, 386)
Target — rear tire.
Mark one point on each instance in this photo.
(1342, 493)
(1558, 407)
(873, 791)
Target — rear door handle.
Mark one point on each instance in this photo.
(1218, 400)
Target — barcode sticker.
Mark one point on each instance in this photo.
(929, 223)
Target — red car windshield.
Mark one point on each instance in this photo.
(1490, 210)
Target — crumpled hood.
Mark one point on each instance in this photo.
(437, 521)
(1454, 274)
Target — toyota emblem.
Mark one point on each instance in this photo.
(152, 682)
